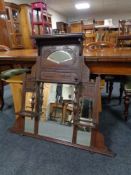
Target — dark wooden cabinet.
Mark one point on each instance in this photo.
(3, 27)
(13, 25)
(2, 6)
(62, 27)
(10, 26)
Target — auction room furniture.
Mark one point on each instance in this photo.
(124, 37)
(41, 21)
(124, 40)
(97, 46)
(4, 40)
(62, 27)
(26, 29)
(76, 27)
(108, 61)
(13, 25)
(70, 69)
(111, 61)
(10, 74)
(2, 6)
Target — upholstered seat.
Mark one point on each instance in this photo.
(12, 72)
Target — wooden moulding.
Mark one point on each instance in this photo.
(79, 76)
(98, 145)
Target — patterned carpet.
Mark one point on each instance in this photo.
(21, 155)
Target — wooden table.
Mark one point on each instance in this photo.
(21, 56)
(104, 62)
(108, 61)
(116, 61)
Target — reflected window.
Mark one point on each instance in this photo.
(59, 57)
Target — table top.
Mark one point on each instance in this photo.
(108, 54)
(21, 54)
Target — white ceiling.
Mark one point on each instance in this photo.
(66, 7)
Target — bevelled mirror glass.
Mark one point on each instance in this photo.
(56, 120)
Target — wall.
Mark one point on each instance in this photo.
(115, 17)
(56, 17)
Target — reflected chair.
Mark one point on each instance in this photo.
(12, 74)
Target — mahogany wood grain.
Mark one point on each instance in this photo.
(109, 61)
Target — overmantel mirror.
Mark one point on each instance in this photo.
(60, 103)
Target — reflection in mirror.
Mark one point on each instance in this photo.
(83, 136)
(56, 120)
(85, 122)
(29, 107)
(59, 57)
(58, 123)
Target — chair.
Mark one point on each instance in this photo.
(99, 45)
(89, 37)
(125, 27)
(124, 33)
(9, 74)
(124, 40)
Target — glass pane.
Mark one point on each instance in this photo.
(59, 57)
(7, 13)
(86, 108)
(57, 117)
(58, 123)
(83, 136)
(16, 28)
(15, 14)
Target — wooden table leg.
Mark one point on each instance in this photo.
(1, 94)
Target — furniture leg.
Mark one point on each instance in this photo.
(107, 86)
(110, 91)
(1, 94)
(98, 143)
(121, 92)
(126, 103)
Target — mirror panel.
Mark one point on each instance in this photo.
(58, 116)
(56, 120)
(29, 125)
(29, 107)
(83, 136)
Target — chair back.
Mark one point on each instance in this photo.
(125, 27)
(99, 45)
(124, 33)
(4, 48)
